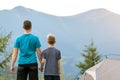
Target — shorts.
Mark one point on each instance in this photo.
(29, 71)
(51, 77)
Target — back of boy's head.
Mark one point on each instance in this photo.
(27, 25)
(51, 39)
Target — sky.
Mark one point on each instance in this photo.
(62, 7)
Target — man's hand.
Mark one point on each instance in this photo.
(12, 69)
(14, 57)
(41, 69)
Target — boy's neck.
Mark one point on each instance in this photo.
(50, 46)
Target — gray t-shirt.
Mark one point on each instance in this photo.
(51, 55)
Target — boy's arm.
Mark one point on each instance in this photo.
(14, 57)
(42, 64)
(59, 66)
(38, 54)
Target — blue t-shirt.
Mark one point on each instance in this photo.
(51, 55)
(27, 44)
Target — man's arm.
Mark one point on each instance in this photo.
(42, 64)
(14, 57)
(59, 66)
(41, 60)
(38, 54)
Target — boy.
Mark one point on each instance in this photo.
(28, 44)
(52, 57)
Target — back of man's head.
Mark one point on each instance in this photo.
(27, 25)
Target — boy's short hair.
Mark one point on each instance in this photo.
(51, 39)
(27, 25)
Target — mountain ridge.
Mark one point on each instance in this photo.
(92, 10)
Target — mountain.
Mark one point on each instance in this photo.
(72, 32)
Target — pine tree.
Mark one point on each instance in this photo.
(91, 58)
(3, 44)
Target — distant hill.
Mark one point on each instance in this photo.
(72, 32)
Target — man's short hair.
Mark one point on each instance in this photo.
(27, 25)
(51, 39)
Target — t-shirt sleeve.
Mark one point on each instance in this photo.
(16, 43)
(43, 55)
(59, 55)
(38, 44)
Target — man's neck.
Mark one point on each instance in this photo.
(27, 32)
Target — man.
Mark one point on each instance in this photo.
(27, 44)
